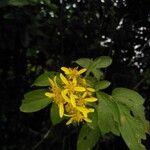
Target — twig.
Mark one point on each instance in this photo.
(138, 84)
(42, 140)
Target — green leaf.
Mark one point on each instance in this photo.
(108, 114)
(102, 85)
(97, 73)
(130, 95)
(102, 62)
(94, 117)
(147, 126)
(87, 138)
(91, 81)
(95, 66)
(131, 128)
(34, 101)
(132, 117)
(42, 80)
(84, 62)
(131, 99)
(54, 113)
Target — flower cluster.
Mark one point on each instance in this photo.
(72, 96)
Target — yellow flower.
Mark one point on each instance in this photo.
(77, 114)
(77, 118)
(85, 110)
(69, 109)
(88, 92)
(72, 96)
(71, 86)
(73, 72)
(82, 101)
(55, 94)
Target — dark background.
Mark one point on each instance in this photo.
(35, 37)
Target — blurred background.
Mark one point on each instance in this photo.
(39, 35)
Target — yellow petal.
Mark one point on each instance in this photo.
(83, 110)
(84, 81)
(50, 95)
(79, 89)
(68, 115)
(63, 78)
(91, 110)
(66, 70)
(73, 100)
(91, 89)
(75, 96)
(82, 71)
(74, 81)
(69, 121)
(55, 80)
(61, 110)
(64, 95)
(84, 95)
(92, 99)
(87, 120)
(51, 82)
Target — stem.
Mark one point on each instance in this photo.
(46, 135)
(138, 84)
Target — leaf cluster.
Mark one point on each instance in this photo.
(121, 113)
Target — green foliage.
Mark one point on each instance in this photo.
(42, 80)
(91, 81)
(94, 66)
(54, 115)
(102, 62)
(84, 62)
(131, 129)
(130, 99)
(34, 101)
(87, 138)
(132, 117)
(108, 114)
(147, 127)
(94, 118)
(121, 113)
(102, 85)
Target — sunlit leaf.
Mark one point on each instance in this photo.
(84, 62)
(102, 62)
(95, 66)
(94, 117)
(147, 126)
(108, 114)
(131, 128)
(91, 81)
(34, 101)
(87, 138)
(130, 95)
(42, 80)
(54, 114)
(131, 99)
(132, 118)
(102, 85)
(97, 73)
